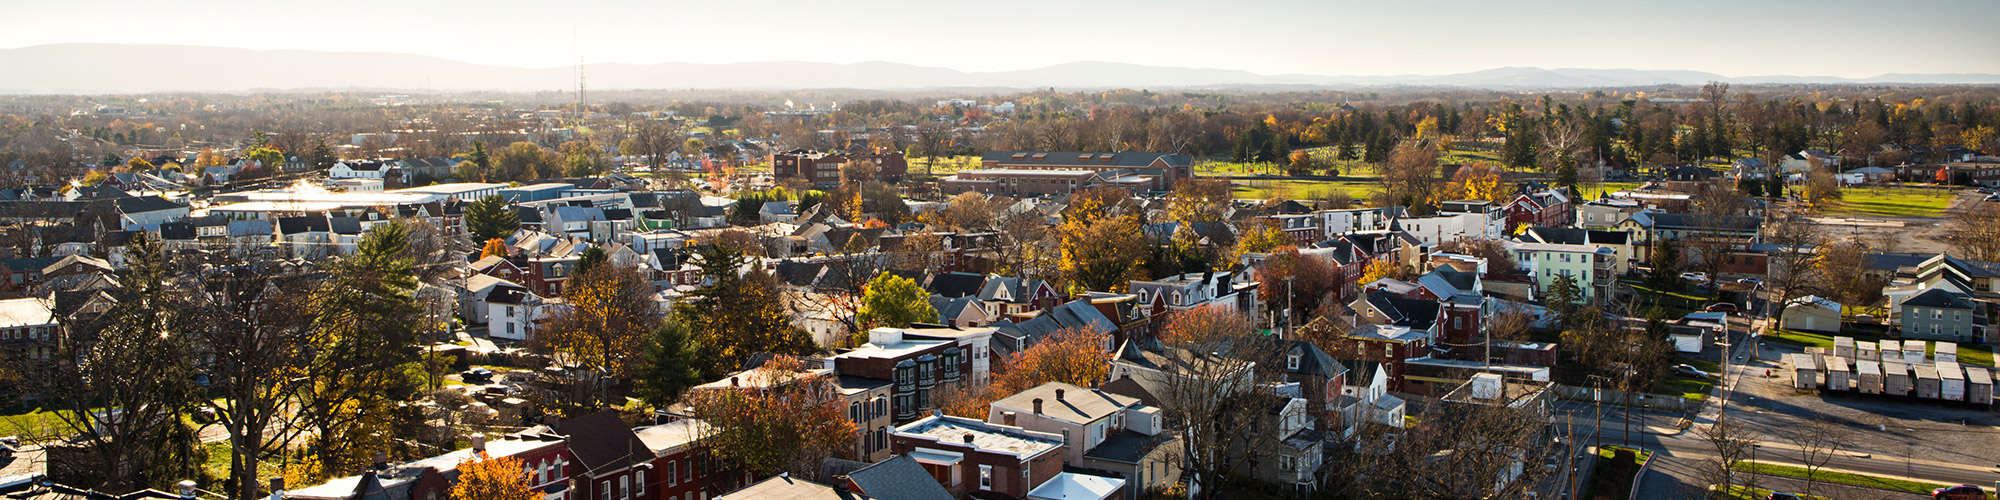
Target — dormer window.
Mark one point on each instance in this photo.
(1292, 360)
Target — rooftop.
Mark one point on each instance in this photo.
(986, 437)
(1076, 404)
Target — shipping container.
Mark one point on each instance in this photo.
(1865, 351)
(1837, 376)
(1805, 370)
(1951, 382)
(1945, 352)
(1913, 351)
(1927, 381)
(1978, 386)
(1891, 350)
(1843, 347)
(1868, 377)
(1896, 378)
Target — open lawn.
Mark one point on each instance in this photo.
(1684, 386)
(1847, 478)
(1740, 492)
(1884, 201)
(33, 426)
(1300, 189)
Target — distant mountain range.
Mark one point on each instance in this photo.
(114, 69)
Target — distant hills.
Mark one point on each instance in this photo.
(114, 69)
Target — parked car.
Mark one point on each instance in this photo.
(1960, 492)
(1723, 307)
(1690, 371)
(1750, 281)
(1779, 495)
(477, 376)
(1694, 276)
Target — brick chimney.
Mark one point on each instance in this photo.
(968, 438)
(735, 382)
(1038, 406)
(1059, 394)
(478, 442)
(1007, 418)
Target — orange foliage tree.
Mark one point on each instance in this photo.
(788, 423)
(1071, 356)
(483, 478)
(494, 248)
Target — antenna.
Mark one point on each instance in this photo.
(582, 100)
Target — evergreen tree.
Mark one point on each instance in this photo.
(490, 218)
(671, 364)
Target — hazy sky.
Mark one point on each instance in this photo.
(1329, 37)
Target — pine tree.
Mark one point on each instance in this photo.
(490, 218)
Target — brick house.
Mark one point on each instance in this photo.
(1545, 207)
(970, 457)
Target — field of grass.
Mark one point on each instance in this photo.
(1300, 189)
(1847, 478)
(1687, 387)
(1740, 492)
(36, 425)
(1893, 202)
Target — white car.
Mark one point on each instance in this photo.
(1693, 276)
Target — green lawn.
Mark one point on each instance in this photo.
(1893, 202)
(1683, 386)
(1807, 339)
(36, 425)
(1740, 492)
(1300, 189)
(1847, 478)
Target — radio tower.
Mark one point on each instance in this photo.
(582, 99)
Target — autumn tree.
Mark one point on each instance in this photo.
(1410, 178)
(493, 248)
(1211, 357)
(525, 161)
(1071, 356)
(490, 218)
(1378, 269)
(1296, 282)
(1478, 181)
(738, 312)
(602, 324)
(365, 326)
(1101, 243)
(253, 321)
(481, 477)
(788, 423)
(1822, 189)
(1260, 237)
(894, 301)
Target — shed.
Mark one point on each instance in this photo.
(1978, 386)
(1945, 352)
(1838, 377)
(1805, 370)
(1896, 378)
(1812, 313)
(1843, 347)
(1913, 351)
(1866, 351)
(1868, 377)
(1927, 381)
(1951, 382)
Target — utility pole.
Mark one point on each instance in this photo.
(1289, 329)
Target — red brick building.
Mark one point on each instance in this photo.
(822, 169)
(1546, 207)
(974, 458)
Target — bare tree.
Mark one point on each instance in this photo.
(1461, 451)
(1817, 441)
(1729, 446)
(1795, 264)
(1975, 232)
(1204, 371)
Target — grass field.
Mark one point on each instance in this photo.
(36, 425)
(1847, 478)
(1740, 492)
(1893, 202)
(1300, 189)
(1688, 387)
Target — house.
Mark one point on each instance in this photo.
(896, 478)
(306, 237)
(1538, 207)
(609, 459)
(1084, 417)
(1388, 345)
(917, 366)
(776, 211)
(1195, 290)
(1943, 314)
(1812, 313)
(1606, 213)
(1804, 161)
(544, 459)
(1075, 486)
(961, 312)
(136, 212)
(1368, 402)
(974, 458)
(1006, 296)
(1752, 168)
(357, 169)
(681, 466)
(28, 329)
(1455, 220)
(1297, 449)
(786, 487)
(510, 311)
(1591, 268)
(822, 169)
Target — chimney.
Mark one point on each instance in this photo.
(1007, 418)
(186, 489)
(381, 460)
(1059, 394)
(735, 382)
(1038, 406)
(968, 438)
(478, 442)
(277, 488)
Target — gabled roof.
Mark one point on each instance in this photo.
(1076, 405)
(1941, 299)
(898, 478)
(956, 284)
(140, 204)
(602, 442)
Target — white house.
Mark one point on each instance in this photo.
(510, 311)
(1812, 313)
(357, 169)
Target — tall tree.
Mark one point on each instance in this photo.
(894, 301)
(738, 312)
(365, 326)
(490, 218)
(671, 364)
(493, 478)
(602, 325)
(253, 321)
(789, 423)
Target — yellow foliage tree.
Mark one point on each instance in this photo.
(1378, 269)
(494, 248)
(485, 478)
(1478, 181)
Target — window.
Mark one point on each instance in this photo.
(1286, 463)
(510, 311)
(1292, 361)
(673, 473)
(985, 477)
(1388, 351)
(639, 479)
(510, 328)
(624, 486)
(605, 487)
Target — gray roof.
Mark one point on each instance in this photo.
(1127, 159)
(1941, 299)
(898, 478)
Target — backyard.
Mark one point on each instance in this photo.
(34, 425)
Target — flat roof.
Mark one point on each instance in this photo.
(26, 311)
(907, 346)
(985, 437)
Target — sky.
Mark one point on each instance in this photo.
(1844, 38)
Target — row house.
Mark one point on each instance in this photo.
(916, 365)
(1197, 290)
(546, 459)
(1027, 182)
(1455, 220)
(1303, 229)
(1592, 268)
(822, 169)
(1332, 222)
(1163, 170)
